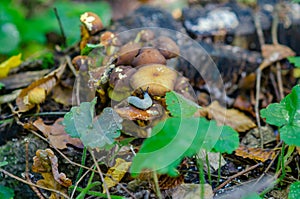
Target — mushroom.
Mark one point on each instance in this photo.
(127, 52)
(81, 62)
(147, 35)
(167, 47)
(148, 56)
(159, 78)
(92, 22)
(119, 78)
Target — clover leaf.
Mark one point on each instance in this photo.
(93, 133)
(179, 106)
(176, 138)
(286, 115)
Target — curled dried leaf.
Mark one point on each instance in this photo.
(255, 153)
(36, 92)
(56, 134)
(45, 163)
(234, 118)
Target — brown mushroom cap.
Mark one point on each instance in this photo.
(127, 53)
(92, 22)
(119, 78)
(148, 56)
(167, 47)
(159, 78)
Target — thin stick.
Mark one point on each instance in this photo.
(279, 80)
(79, 180)
(237, 175)
(259, 30)
(100, 173)
(31, 184)
(38, 193)
(60, 27)
(258, 80)
(77, 78)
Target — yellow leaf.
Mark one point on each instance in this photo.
(296, 72)
(116, 173)
(10, 63)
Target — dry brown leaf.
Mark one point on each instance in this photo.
(56, 134)
(255, 153)
(168, 182)
(133, 113)
(45, 163)
(36, 92)
(234, 118)
(273, 53)
(189, 191)
(116, 173)
(62, 95)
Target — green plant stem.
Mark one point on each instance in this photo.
(156, 185)
(201, 176)
(83, 158)
(99, 194)
(208, 168)
(219, 169)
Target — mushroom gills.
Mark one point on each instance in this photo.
(141, 103)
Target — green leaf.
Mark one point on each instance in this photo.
(6, 192)
(228, 141)
(3, 163)
(79, 119)
(103, 130)
(286, 115)
(179, 106)
(294, 190)
(295, 61)
(79, 123)
(171, 141)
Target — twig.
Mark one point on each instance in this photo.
(100, 173)
(77, 78)
(31, 184)
(237, 175)
(38, 193)
(259, 31)
(279, 79)
(60, 27)
(258, 80)
(79, 180)
(274, 84)
(58, 151)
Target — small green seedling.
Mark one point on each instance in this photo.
(179, 137)
(286, 115)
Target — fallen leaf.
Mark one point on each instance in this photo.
(36, 92)
(273, 53)
(213, 158)
(116, 173)
(255, 153)
(62, 95)
(232, 117)
(168, 182)
(189, 191)
(10, 63)
(56, 134)
(45, 163)
(132, 113)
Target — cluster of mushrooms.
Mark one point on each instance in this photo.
(133, 72)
